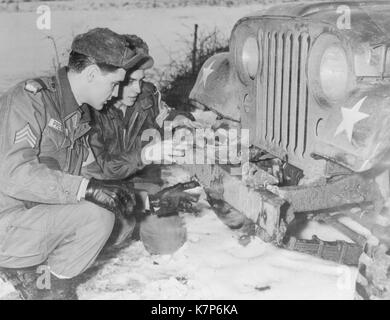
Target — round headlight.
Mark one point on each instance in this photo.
(334, 72)
(250, 57)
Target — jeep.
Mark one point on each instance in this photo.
(311, 84)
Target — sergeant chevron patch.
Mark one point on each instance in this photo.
(26, 134)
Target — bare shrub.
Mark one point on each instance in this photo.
(179, 77)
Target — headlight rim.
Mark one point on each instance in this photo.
(239, 44)
(252, 75)
(323, 43)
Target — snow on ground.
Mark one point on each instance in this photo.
(26, 51)
(6, 291)
(213, 265)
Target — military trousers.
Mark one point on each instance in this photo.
(67, 238)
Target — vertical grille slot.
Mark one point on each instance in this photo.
(263, 104)
(278, 89)
(271, 87)
(303, 95)
(285, 105)
(293, 120)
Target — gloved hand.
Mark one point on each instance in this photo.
(115, 196)
(173, 199)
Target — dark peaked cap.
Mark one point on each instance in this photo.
(106, 46)
(139, 45)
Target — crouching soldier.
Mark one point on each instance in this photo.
(115, 140)
(49, 214)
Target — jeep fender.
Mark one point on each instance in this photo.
(218, 88)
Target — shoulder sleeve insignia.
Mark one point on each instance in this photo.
(33, 86)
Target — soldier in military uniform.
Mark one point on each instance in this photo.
(115, 138)
(116, 132)
(49, 214)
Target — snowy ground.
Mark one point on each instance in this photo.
(212, 264)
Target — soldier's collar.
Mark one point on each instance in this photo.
(85, 113)
(68, 101)
(113, 109)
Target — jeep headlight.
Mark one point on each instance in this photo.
(334, 71)
(250, 57)
(331, 73)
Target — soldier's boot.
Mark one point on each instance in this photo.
(63, 289)
(25, 282)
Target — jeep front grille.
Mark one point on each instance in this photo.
(282, 107)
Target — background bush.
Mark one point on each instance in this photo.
(179, 77)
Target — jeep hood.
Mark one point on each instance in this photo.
(369, 19)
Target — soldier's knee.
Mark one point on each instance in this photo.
(101, 219)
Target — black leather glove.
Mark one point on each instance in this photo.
(171, 200)
(115, 196)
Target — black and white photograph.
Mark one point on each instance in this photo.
(195, 150)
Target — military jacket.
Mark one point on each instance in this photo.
(115, 139)
(42, 142)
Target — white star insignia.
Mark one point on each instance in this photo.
(206, 73)
(350, 118)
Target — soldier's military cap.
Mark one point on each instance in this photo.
(138, 44)
(106, 46)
